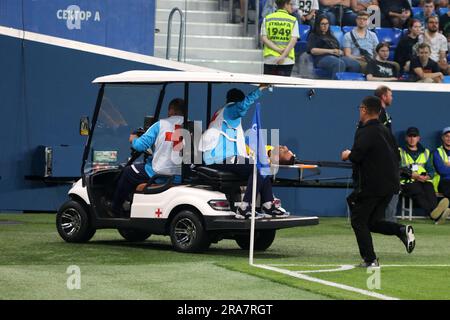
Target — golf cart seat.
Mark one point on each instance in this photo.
(151, 187)
(218, 175)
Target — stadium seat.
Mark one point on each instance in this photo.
(443, 11)
(446, 79)
(390, 35)
(448, 58)
(337, 32)
(301, 45)
(346, 29)
(415, 10)
(304, 30)
(353, 76)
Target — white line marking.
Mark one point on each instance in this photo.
(344, 267)
(327, 283)
(383, 265)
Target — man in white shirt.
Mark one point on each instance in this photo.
(437, 42)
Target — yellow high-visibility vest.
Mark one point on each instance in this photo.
(417, 166)
(279, 26)
(437, 177)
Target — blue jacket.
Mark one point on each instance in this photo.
(232, 114)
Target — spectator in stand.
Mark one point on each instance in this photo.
(269, 7)
(338, 12)
(444, 22)
(424, 69)
(307, 10)
(242, 11)
(324, 48)
(428, 10)
(360, 43)
(404, 51)
(395, 13)
(364, 5)
(437, 42)
(380, 69)
(279, 33)
(441, 4)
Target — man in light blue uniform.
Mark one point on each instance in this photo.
(166, 160)
(223, 146)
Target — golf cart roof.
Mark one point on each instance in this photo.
(141, 76)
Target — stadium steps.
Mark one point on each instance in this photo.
(210, 40)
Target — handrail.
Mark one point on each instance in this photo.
(169, 31)
(257, 41)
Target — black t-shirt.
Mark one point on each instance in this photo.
(431, 67)
(381, 69)
(404, 50)
(444, 23)
(322, 42)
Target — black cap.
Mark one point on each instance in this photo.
(412, 131)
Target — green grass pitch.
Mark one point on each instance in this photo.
(34, 262)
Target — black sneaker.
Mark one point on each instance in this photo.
(275, 211)
(369, 264)
(247, 213)
(408, 238)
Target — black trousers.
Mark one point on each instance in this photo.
(130, 178)
(444, 187)
(422, 194)
(263, 184)
(278, 69)
(368, 216)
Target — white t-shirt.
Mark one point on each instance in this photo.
(271, 59)
(307, 5)
(437, 43)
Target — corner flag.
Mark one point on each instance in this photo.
(257, 144)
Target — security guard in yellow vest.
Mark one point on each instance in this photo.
(441, 163)
(418, 185)
(279, 33)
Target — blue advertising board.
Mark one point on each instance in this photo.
(126, 25)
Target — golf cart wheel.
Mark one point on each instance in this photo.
(187, 233)
(134, 235)
(72, 222)
(263, 240)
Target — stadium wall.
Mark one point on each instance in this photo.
(47, 87)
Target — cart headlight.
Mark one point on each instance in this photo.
(220, 205)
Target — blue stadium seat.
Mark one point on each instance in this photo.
(347, 28)
(443, 11)
(337, 32)
(301, 45)
(415, 10)
(448, 58)
(353, 76)
(303, 29)
(390, 35)
(446, 79)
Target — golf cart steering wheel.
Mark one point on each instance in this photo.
(134, 153)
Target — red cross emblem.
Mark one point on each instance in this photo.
(175, 137)
(158, 212)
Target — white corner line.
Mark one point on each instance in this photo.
(301, 276)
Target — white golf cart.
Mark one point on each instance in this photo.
(195, 213)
